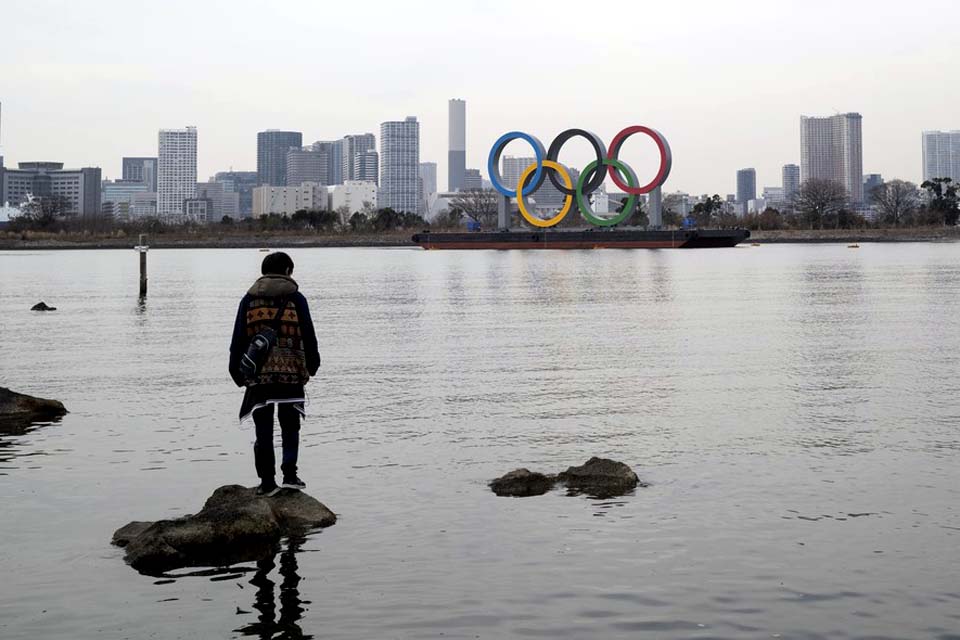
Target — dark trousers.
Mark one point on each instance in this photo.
(263, 455)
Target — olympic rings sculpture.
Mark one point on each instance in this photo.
(548, 167)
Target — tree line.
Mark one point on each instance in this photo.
(825, 204)
(818, 204)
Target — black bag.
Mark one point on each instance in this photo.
(260, 346)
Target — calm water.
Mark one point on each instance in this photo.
(796, 410)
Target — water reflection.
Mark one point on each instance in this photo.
(269, 624)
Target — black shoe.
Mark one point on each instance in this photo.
(267, 489)
(293, 482)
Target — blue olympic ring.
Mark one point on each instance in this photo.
(493, 163)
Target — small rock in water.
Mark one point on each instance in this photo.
(234, 525)
(521, 483)
(19, 411)
(600, 477)
(42, 306)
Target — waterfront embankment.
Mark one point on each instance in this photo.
(32, 240)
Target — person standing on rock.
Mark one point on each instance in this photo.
(291, 362)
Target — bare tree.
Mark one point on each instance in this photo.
(895, 200)
(479, 205)
(819, 200)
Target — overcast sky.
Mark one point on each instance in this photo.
(726, 82)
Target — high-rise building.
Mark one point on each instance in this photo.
(548, 197)
(242, 183)
(746, 186)
(79, 188)
(457, 144)
(334, 152)
(870, 182)
(272, 147)
(832, 149)
(428, 187)
(428, 177)
(472, 180)
(176, 169)
(400, 165)
(941, 155)
(512, 167)
(141, 170)
(224, 201)
(309, 164)
(366, 167)
(353, 147)
(791, 181)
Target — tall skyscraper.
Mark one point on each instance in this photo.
(870, 182)
(242, 183)
(832, 149)
(366, 167)
(791, 181)
(428, 177)
(306, 165)
(272, 147)
(512, 167)
(141, 170)
(333, 149)
(400, 165)
(353, 146)
(941, 155)
(457, 144)
(746, 186)
(176, 169)
(224, 201)
(548, 197)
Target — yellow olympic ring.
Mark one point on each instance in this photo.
(538, 222)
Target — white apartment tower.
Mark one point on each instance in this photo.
(176, 170)
(400, 165)
(832, 149)
(941, 155)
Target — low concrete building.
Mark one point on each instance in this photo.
(80, 188)
(352, 194)
(311, 196)
(198, 210)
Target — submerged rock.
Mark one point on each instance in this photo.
(234, 525)
(521, 483)
(19, 411)
(42, 306)
(600, 477)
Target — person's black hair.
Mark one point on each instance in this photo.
(277, 263)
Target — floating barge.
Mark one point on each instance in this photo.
(584, 239)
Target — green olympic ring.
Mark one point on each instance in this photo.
(584, 204)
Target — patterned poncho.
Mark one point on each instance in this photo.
(295, 357)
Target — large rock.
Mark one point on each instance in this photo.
(19, 411)
(600, 477)
(42, 306)
(234, 525)
(521, 483)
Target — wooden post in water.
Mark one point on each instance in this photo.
(142, 248)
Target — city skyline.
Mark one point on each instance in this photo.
(702, 107)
